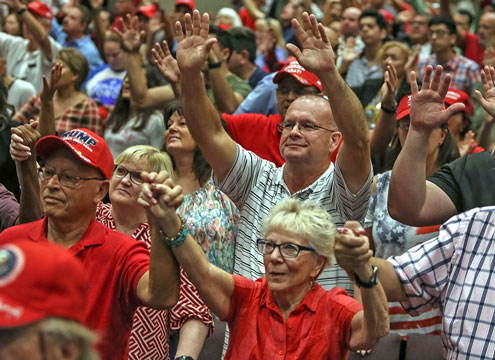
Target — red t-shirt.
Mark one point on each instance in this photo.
(247, 19)
(472, 48)
(114, 263)
(259, 133)
(318, 328)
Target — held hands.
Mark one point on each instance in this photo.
(317, 55)
(131, 37)
(428, 110)
(488, 80)
(160, 197)
(23, 139)
(194, 46)
(166, 63)
(49, 87)
(352, 250)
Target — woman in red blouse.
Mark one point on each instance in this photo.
(286, 314)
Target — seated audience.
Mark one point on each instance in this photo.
(71, 106)
(43, 297)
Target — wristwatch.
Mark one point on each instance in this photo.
(216, 65)
(184, 357)
(373, 281)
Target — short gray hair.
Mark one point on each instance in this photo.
(307, 220)
(154, 159)
(63, 331)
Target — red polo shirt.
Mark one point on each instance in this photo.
(114, 263)
(319, 328)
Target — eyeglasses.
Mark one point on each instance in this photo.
(404, 124)
(438, 33)
(287, 250)
(121, 172)
(298, 91)
(306, 127)
(45, 174)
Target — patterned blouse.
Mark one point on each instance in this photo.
(149, 334)
(84, 114)
(211, 219)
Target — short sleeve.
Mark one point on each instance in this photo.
(244, 291)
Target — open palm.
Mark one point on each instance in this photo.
(488, 80)
(194, 46)
(427, 106)
(317, 54)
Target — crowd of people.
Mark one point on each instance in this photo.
(312, 173)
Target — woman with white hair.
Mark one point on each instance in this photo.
(286, 312)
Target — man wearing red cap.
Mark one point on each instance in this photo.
(121, 271)
(32, 56)
(309, 135)
(41, 312)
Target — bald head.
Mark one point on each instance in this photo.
(316, 106)
(486, 30)
(349, 24)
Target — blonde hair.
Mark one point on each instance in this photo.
(275, 27)
(154, 159)
(389, 44)
(307, 220)
(77, 63)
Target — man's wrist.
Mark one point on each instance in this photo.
(21, 10)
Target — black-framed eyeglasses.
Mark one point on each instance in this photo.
(287, 250)
(45, 174)
(305, 127)
(121, 172)
(438, 33)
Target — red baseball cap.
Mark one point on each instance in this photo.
(147, 10)
(305, 77)
(457, 96)
(404, 107)
(189, 3)
(387, 15)
(41, 9)
(39, 280)
(83, 143)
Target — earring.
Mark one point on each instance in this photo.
(312, 284)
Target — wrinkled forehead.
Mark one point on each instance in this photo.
(312, 108)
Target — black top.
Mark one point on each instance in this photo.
(8, 175)
(468, 181)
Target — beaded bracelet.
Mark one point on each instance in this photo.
(179, 238)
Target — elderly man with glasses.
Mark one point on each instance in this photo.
(122, 274)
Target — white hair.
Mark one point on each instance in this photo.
(307, 220)
(226, 11)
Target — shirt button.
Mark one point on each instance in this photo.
(281, 352)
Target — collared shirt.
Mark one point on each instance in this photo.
(256, 185)
(465, 73)
(456, 270)
(360, 71)
(149, 334)
(114, 263)
(87, 47)
(82, 115)
(318, 328)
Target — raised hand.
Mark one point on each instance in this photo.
(23, 139)
(96, 4)
(352, 249)
(49, 87)
(428, 110)
(131, 36)
(349, 53)
(488, 81)
(194, 46)
(317, 55)
(166, 63)
(390, 86)
(160, 197)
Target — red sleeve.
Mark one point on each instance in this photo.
(343, 309)
(244, 290)
(472, 48)
(189, 306)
